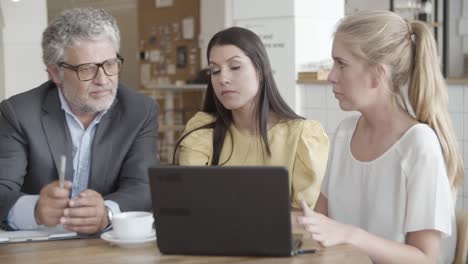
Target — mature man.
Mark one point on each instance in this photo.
(106, 131)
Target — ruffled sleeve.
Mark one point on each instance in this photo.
(310, 163)
(197, 147)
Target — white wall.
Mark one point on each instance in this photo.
(215, 15)
(464, 26)
(314, 28)
(21, 66)
(2, 57)
(357, 5)
(278, 36)
(455, 49)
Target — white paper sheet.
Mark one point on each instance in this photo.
(188, 27)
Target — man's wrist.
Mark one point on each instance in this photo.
(107, 219)
(110, 214)
(112, 208)
(36, 216)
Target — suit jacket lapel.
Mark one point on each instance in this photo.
(56, 131)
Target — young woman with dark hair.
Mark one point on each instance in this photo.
(244, 120)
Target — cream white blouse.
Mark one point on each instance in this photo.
(405, 189)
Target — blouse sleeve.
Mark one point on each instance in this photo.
(310, 163)
(429, 199)
(197, 147)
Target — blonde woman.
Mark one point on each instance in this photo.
(394, 170)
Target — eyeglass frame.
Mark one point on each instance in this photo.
(99, 65)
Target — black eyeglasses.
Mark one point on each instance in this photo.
(89, 71)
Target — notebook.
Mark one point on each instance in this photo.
(36, 235)
(221, 210)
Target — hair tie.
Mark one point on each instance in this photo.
(410, 29)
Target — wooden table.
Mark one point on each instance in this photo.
(83, 251)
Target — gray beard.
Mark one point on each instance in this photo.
(82, 107)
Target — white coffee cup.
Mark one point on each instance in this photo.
(132, 225)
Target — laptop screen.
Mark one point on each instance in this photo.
(221, 210)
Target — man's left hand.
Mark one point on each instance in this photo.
(86, 213)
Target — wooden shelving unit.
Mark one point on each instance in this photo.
(169, 53)
(178, 103)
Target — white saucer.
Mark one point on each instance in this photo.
(109, 237)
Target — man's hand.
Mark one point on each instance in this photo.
(86, 213)
(52, 201)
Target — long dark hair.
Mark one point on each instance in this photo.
(268, 97)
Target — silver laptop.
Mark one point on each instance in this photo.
(220, 210)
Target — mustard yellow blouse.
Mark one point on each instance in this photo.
(300, 145)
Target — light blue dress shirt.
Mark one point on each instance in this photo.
(21, 215)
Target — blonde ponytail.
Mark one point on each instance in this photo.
(428, 97)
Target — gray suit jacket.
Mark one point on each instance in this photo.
(34, 134)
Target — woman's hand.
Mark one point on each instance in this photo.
(422, 246)
(323, 229)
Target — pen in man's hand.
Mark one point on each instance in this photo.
(63, 165)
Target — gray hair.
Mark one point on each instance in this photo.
(75, 25)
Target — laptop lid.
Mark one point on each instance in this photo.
(220, 210)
